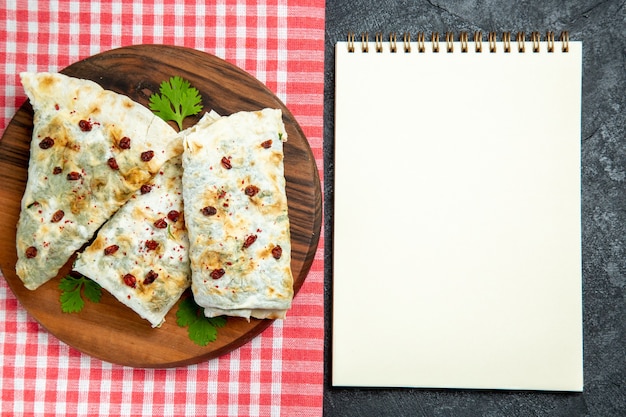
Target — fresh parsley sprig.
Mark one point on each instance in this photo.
(71, 299)
(178, 99)
(201, 329)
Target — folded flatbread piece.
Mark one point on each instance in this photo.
(141, 255)
(236, 216)
(91, 149)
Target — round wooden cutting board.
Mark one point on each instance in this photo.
(109, 330)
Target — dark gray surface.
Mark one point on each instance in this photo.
(601, 25)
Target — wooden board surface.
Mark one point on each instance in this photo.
(109, 330)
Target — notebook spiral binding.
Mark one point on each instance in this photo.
(520, 40)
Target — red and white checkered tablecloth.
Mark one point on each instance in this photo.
(280, 372)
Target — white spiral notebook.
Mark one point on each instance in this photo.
(457, 234)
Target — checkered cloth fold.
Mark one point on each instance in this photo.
(279, 372)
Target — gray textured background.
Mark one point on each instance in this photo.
(601, 25)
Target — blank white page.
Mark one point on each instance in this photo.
(457, 237)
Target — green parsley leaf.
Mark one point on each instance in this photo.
(202, 332)
(187, 312)
(92, 291)
(201, 329)
(71, 299)
(178, 99)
